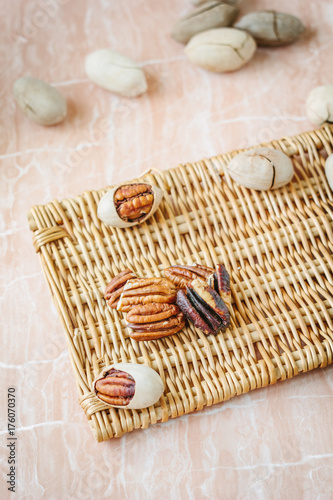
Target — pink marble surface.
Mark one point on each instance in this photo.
(273, 443)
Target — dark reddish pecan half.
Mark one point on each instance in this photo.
(203, 306)
(157, 329)
(220, 281)
(133, 201)
(116, 388)
(147, 290)
(181, 276)
(116, 287)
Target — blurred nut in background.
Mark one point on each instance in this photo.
(319, 105)
(39, 101)
(115, 72)
(271, 28)
(210, 15)
(221, 49)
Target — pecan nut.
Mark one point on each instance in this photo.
(181, 276)
(157, 329)
(149, 313)
(147, 290)
(133, 201)
(116, 286)
(203, 306)
(116, 388)
(220, 281)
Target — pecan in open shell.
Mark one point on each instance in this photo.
(116, 286)
(133, 201)
(116, 388)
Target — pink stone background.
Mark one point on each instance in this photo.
(273, 443)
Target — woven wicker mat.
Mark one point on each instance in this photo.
(277, 246)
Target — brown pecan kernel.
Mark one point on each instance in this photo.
(147, 290)
(148, 313)
(133, 201)
(116, 388)
(181, 276)
(203, 306)
(116, 287)
(157, 329)
(220, 281)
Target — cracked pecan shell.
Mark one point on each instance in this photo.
(116, 388)
(142, 291)
(181, 276)
(133, 201)
(116, 286)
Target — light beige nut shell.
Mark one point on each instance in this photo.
(107, 212)
(39, 101)
(115, 72)
(329, 171)
(148, 385)
(271, 28)
(208, 16)
(221, 50)
(201, 2)
(319, 105)
(261, 169)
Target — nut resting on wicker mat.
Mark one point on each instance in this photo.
(204, 298)
(129, 204)
(128, 386)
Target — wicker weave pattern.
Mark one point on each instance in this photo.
(276, 245)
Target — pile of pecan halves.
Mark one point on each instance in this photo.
(157, 307)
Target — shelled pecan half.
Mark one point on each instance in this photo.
(154, 321)
(217, 278)
(203, 306)
(133, 201)
(147, 290)
(181, 276)
(220, 281)
(116, 287)
(116, 388)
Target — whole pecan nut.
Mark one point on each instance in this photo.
(203, 306)
(116, 388)
(116, 286)
(133, 201)
(147, 290)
